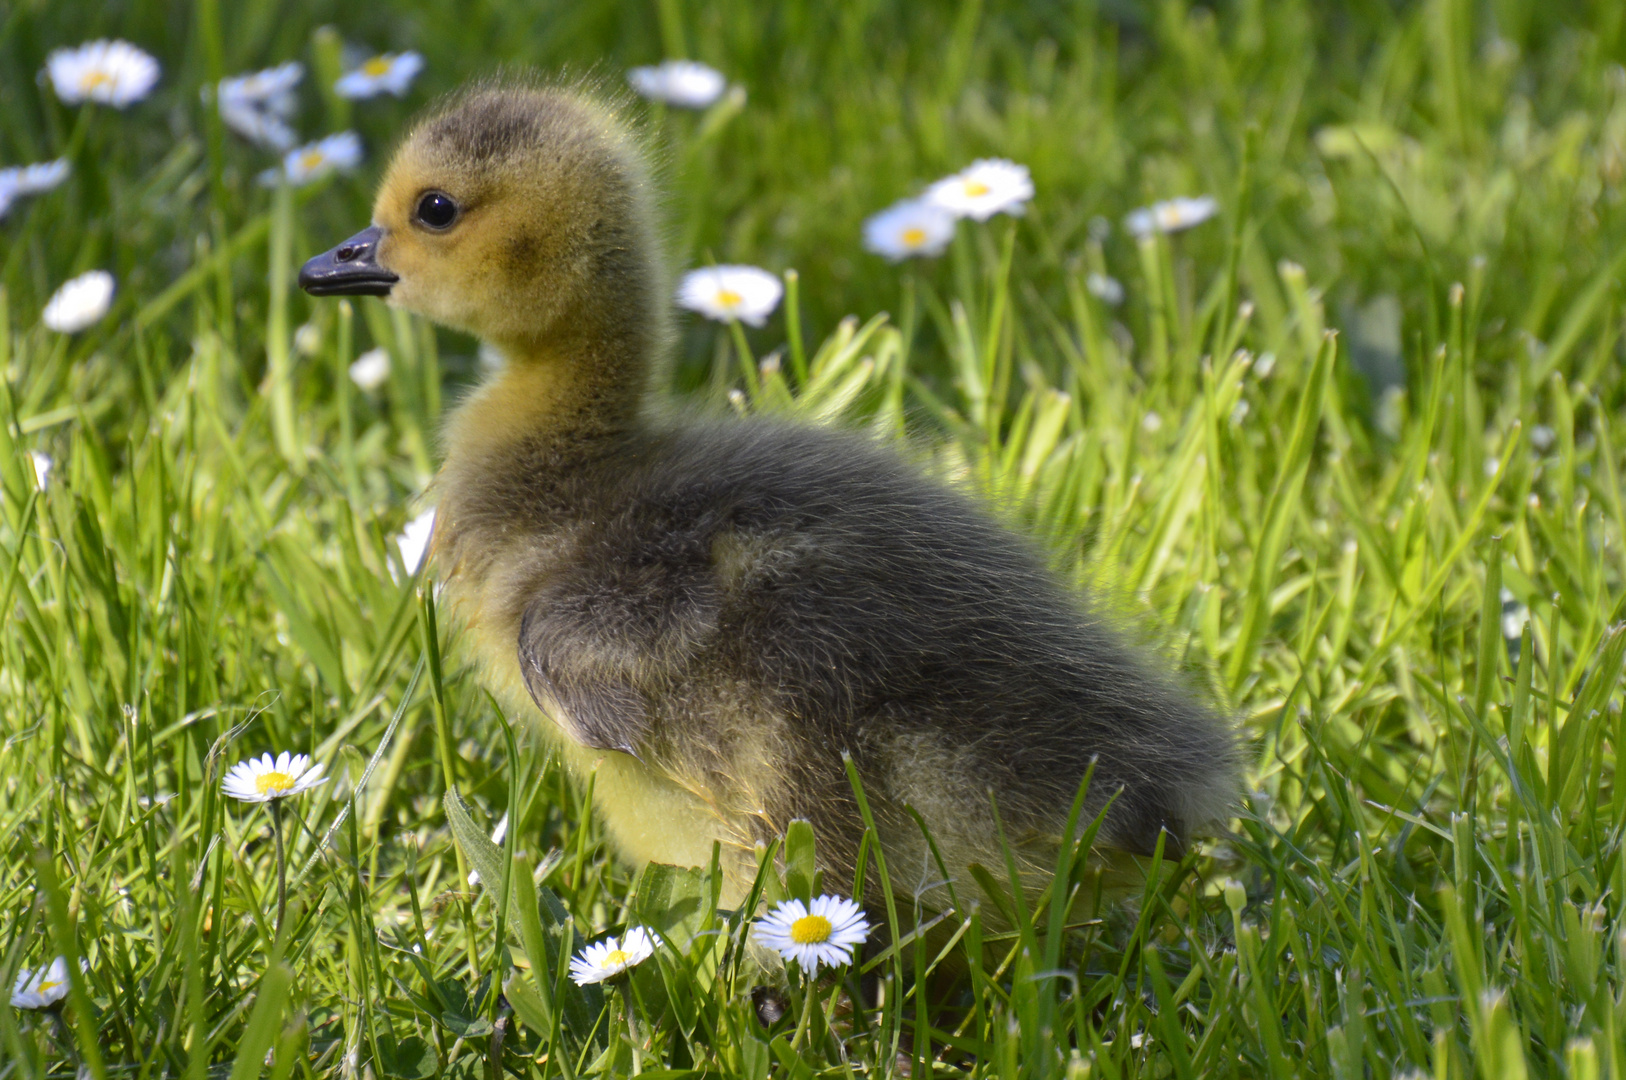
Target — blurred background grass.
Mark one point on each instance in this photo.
(852, 106)
(1428, 872)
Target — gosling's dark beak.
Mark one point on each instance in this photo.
(351, 269)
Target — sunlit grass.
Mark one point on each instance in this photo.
(1346, 452)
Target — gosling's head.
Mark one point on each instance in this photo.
(522, 215)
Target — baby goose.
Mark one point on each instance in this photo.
(713, 613)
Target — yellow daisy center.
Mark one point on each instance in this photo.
(47, 987)
(90, 80)
(1169, 216)
(810, 930)
(729, 298)
(376, 67)
(914, 236)
(615, 957)
(976, 188)
(273, 783)
(310, 159)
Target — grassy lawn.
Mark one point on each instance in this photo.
(1346, 452)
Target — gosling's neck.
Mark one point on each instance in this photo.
(527, 450)
(528, 446)
(555, 397)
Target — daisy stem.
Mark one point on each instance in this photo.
(282, 868)
(748, 363)
(632, 1024)
(61, 1035)
(809, 992)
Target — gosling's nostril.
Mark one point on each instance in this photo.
(350, 269)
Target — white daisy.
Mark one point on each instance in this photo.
(823, 932)
(1106, 288)
(258, 126)
(317, 159)
(79, 303)
(725, 293)
(20, 180)
(272, 88)
(388, 73)
(108, 72)
(414, 540)
(1171, 215)
(33, 179)
(267, 778)
(687, 84)
(370, 369)
(42, 467)
(982, 189)
(608, 958)
(41, 988)
(911, 227)
(258, 105)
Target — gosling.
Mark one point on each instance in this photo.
(713, 614)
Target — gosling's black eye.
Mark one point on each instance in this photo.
(437, 210)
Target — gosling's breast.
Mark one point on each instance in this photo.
(648, 816)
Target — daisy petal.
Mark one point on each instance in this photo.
(823, 932)
(982, 189)
(1171, 215)
(42, 988)
(684, 83)
(913, 227)
(610, 957)
(80, 303)
(387, 73)
(266, 778)
(112, 73)
(727, 293)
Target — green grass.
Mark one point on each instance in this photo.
(1427, 875)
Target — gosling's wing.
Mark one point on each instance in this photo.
(602, 644)
(596, 705)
